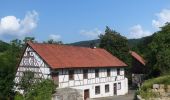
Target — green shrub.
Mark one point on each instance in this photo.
(159, 80)
(147, 94)
(145, 90)
(41, 91)
(18, 96)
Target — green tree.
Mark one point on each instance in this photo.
(26, 81)
(41, 90)
(31, 39)
(7, 74)
(51, 41)
(3, 46)
(35, 89)
(116, 44)
(8, 63)
(159, 55)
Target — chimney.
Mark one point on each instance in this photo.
(92, 45)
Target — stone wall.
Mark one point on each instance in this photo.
(161, 90)
(68, 94)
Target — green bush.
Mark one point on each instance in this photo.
(18, 96)
(145, 90)
(41, 91)
(159, 80)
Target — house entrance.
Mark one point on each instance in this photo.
(86, 94)
(115, 88)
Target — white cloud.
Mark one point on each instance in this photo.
(55, 37)
(162, 18)
(138, 32)
(11, 25)
(94, 33)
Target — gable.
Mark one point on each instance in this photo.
(31, 61)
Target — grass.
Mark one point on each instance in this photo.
(145, 90)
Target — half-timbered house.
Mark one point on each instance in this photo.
(93, 70)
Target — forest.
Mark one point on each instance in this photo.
(155, 49)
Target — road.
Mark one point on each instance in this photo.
(129, 96)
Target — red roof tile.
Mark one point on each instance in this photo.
(137, 57)
(63, 56)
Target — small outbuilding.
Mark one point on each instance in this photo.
(138, 69)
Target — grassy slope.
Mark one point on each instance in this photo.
(145, 90)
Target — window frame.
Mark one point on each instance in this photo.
(107, 88)
(71, 74)
(108, 72)
(85, 74)
(118, 71)
(97, 90)
(119, 86)
(96, 73)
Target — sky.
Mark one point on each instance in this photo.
(78, 20)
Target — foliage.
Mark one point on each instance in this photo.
(29, 39)
(9, 56)
(51, 41)
(3, 46)
(27, 80)
(116, 44)
(147, 94)
(35, 89)
(159, 80)
(18, 96)
(159, 54)
(8, 62)
(145, 89)
(41, 91)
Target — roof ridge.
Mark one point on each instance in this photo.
(61, 45)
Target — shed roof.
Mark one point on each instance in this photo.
(137, 57)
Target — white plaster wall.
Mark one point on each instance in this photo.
(91, 82)
(78, 77)
(122, 91)
(124, 87)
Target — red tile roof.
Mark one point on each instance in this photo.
(137, 57)
(64, 56)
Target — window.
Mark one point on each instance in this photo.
(97, 90)
(71, 74)
(119, 86)
(108, 72)
(97, 73)
(54, 74)
(118, 71)
(106, 88)
(55, 77)
(85, 74)
(28, 53)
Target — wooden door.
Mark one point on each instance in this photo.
(115, 89)
(86, 94)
